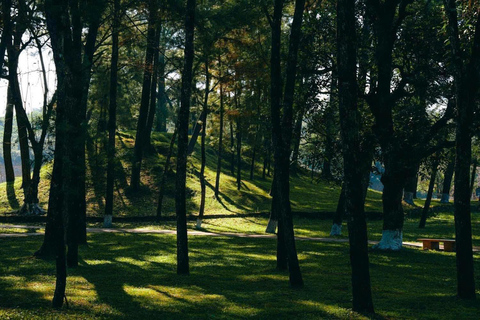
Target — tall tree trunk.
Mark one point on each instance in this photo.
(415, 189)
(411, 184)
(197, 129)
(336, 229)
(354, 160)
(447, 181)
(141, 135)
(393, 181)
(232, 148)
(153, 94)
(264, 170)
(426, 207)
(13, 48)
(93, 21)
(297, 136)
(161, 116)
(201, 210)
(282, 127)
(57, 210)
(339, 213)
(252, 164)
(8, 125)
(277, 224)
(37, 146)
(7, 140)
(61, 264)
(112, 117)
(257, 133)
(220, 140)
(466, 86)
(239, 154)
(67, 188)
(274, 214)
(183, 115)
(24, 148)
(387, 18)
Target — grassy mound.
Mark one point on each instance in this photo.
(306, 195)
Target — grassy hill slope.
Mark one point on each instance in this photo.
(306, 195)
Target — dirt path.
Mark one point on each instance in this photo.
(190, 232)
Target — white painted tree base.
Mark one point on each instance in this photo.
(107, 221)
(199, 224)
(336, 230)
(391, 240)
(445, 198)
(271, 226)
(408, 198)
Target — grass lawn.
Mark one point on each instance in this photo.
(133, 276)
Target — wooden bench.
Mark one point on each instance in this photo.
(434, 244)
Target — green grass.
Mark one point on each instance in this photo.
(133, 276)
(129, 276)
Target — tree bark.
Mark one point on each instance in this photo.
(161, 116)
(7, 141)
(277, 224)
(8, 125)
(141, 135)
(239, 154)
(274, 214)
(197, 129)
(297, 136)
(447, 181)
(58, 213)
(426, 207)
(61, 264)
(387, 18)
(14, 49)
(354, 160)
(466, 86)
(22, 138)
(93, 20)
(112, 117)
(66, 27)
(153, 94)
(201, 210)
(282, 126)
(183, 115)
(220, 139)
(37, 146)
(411, 184)
(252, 163)
(232, 148)
(339, 213)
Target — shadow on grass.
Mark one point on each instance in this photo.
(232, 278)
(139, 283)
